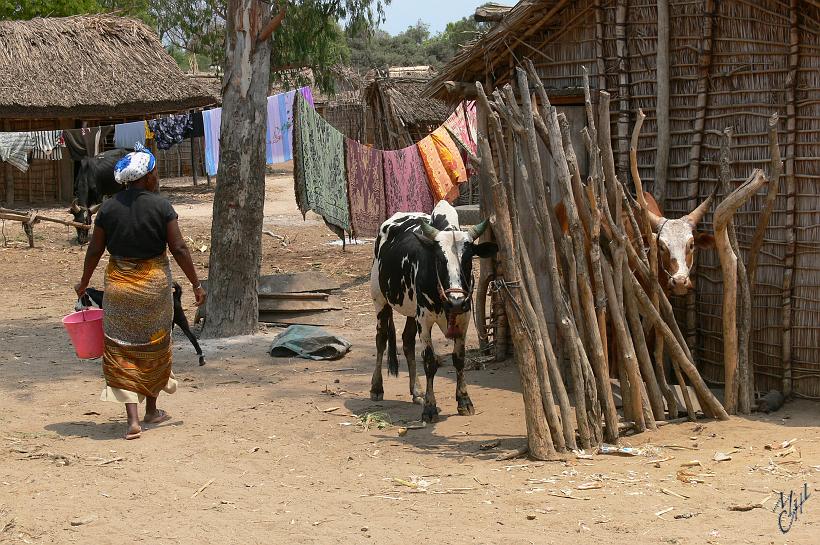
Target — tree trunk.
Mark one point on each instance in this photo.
(236, 251)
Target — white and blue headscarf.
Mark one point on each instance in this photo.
(135, 165)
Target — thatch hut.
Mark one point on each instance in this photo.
(62, 72)
(717, 64)
(398, 113)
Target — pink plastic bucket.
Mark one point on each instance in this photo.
(86, 331)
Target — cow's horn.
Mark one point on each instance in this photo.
(94, 209)
(477, 230)
(75, 206)
(428, 230)
(697, 214)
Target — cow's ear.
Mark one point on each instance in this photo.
(704, 240)
(485, 249)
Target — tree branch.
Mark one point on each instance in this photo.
(274, 24)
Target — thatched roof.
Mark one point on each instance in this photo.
(90, 66)
(476, 58)
(405, 96)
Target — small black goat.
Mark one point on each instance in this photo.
(94, 298)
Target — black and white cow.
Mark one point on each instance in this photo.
(423, 269)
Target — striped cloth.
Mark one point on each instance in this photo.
(47, 145)
(279, 134)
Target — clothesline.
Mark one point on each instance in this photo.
(355, 187)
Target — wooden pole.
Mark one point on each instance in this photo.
(193, 160)
(704, 69)
(728, 265)
(745, 385)
(622, 52)
(791, 198)
(662, 62)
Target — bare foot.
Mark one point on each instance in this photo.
(157, 417)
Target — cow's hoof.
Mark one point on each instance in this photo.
(376, 396)
(465, 407)
(430, 414)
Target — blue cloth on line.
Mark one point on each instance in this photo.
(128, 135)
(212, 121)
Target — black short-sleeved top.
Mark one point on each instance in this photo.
(135, 222)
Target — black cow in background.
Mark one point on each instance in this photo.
(95, 180)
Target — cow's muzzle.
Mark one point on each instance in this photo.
(680, 285)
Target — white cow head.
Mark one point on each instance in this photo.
(677, 239)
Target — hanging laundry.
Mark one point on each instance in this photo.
(149, 134)
(47, 145)
(405, 182)
(86, 142)
(14, 148)
(197, 125)
(279, 134)
(128, 135)
(319, 166)
(171, 130)
(365, 188)
(212, 122)
(462, 125)
(442, 160)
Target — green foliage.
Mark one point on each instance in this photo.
(415, 46)
(310, 35)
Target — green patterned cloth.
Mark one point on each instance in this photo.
(319, 166)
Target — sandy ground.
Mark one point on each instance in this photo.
(252, 456)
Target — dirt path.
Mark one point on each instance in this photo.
(250, 434)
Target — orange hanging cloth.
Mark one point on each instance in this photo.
(443, 163)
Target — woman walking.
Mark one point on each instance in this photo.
(136, 226)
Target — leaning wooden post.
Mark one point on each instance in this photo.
(662, 111)
(728, 266)
(744, 371)
(538, 437)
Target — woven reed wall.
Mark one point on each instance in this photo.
(747, 80)
(40, 184)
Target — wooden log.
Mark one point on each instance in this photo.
(653, 390)
(622, 55)
(704, 68)
(709, 402)
(775, 168)
(605, 144)
(538, 437)
(728, 265)
(629, 390)
(791, 198)
(599, 364)
(745, 387)
(662, 64)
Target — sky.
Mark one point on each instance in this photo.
(401, 14)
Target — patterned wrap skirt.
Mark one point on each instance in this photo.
(139, 314)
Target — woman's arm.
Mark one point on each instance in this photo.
(96, 248)
(178, 248)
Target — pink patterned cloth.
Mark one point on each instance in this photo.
(365, 188)
(462, 123)
(405, 182)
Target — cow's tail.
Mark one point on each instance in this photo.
(392, 364)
